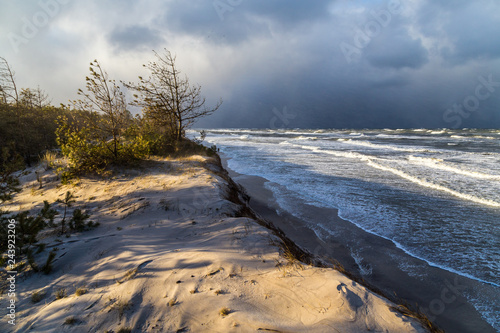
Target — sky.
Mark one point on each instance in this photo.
(277, 63)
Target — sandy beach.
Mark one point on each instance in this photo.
(171, 255)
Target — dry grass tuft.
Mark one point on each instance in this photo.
(292, 263)
(81, 291)
(215, 272)
(172, 302)
(48, 160)
(71, 320)
(406, 309)
(128, 276)
(125, 330)
(37, 296)
(224, 312)
(61, 293)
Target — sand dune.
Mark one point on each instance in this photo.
(169, 256)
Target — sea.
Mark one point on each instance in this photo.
(434, 193)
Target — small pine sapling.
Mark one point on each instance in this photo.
(77, 222)
(68, 201)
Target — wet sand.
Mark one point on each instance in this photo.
(440, 294)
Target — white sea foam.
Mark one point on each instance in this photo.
(380, 146)
(371, 161)
(438, 187)
(313, 138)
(438, 164)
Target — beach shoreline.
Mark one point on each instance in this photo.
(437, 293)
(173, 253)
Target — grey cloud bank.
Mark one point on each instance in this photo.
(328, 63)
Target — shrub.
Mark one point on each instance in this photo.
(37, 296)
(89, 153)
(10, 161)
(81, 291)
(60, 293)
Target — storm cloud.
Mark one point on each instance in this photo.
(321, 64)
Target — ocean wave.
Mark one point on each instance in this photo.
(434, 186)
(439, 164)
(379, 146)
(371, 161)
(306, 138)
(348, 154)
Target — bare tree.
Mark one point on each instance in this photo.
(105, 106)
(169, 99)
(8, 87)
(33, 98)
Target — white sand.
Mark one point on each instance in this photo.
(166, 236)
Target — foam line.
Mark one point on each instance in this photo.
(425, 183)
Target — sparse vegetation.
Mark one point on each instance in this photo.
(292, 263)
(27, 229)
(128, 276)
(78, 221)
(125, 330)
(48, 160)
(407, 310)
(60, 293)
(172, 302)
(67, 202)
(71, 320)
(37, 296)
(224, 312)
(47, 268)
(81, 291)
(121, 307)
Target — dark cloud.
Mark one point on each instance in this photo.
(475, 39)
(398, 50)
(135, 37)
(236, 21)
(467, 30)
(262, 56)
